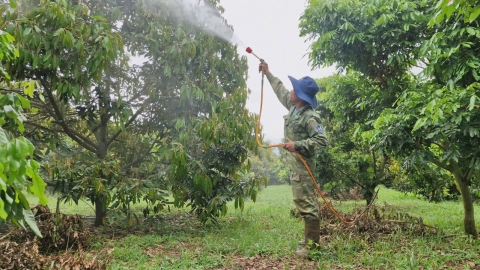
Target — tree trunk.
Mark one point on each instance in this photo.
(368, 194)
(468, 215)
(100, 210)
(102, 148)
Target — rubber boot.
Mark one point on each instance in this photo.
(312, 237)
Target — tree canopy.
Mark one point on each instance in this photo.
(19, 172)
(429, 115)
(122, 84)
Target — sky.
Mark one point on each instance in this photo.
(270, 28)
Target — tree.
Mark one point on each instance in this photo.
(431, 117)
(441, 111)
(18, 170)
(186, 98)
(350, 161)
(424, 179)
(67, 52)
(356, 37)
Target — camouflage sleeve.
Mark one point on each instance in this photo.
(282, 93)
(316, 137)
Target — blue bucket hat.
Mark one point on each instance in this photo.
(306, 88)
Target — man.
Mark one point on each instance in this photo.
(303, 133)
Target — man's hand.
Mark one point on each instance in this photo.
(289, 146)
(263, 67)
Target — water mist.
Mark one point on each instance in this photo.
(208, 19)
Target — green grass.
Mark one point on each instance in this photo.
(266, 233)
(83, 208)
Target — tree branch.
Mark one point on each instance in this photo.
(438, 163)
(130, 121)
(14, 90)
(349, 177)
(81, 140)
(469, 173)
(41, 127)
(135, 162)
(383, 165)
(431, 157)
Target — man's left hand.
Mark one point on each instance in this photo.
(289, 146)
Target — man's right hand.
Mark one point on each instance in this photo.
(263, 67)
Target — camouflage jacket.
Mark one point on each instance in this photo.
(303, 128)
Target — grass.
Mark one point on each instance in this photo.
(264, 236)
(83, 208)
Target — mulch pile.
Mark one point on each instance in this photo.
(61, 247)
(369, 223)
(372, 223)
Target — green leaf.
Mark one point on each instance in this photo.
(475, 75)
(58, 32)
(38, 188)
(30, 220)
(167, 71)
(14, 165)
(28, 90)
(35, 61)
(3, 185)
(180, 123)
(23, 150)
(21, 127)
(471, 31)
(13, 4)
(420, 122)
(47, 56)
(25, 102)
(448, 10)
(3, 214)
(98, 18)
(23, 200)
(27, 31)
(389, 61)
(474, 14)
(3, 137)
(10, 111)
(378, 122)
(380, 20)
(472, 102)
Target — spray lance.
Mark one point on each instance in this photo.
(250, 51)
(319, 191)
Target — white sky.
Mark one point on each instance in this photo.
(270, 28)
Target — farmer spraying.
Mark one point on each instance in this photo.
(303, 132)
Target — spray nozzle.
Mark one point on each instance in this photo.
(249, 50)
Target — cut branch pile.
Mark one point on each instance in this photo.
(370, 224)
(61, 247)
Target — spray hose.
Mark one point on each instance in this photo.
(319, 191)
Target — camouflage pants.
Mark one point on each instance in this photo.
(304, 196)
